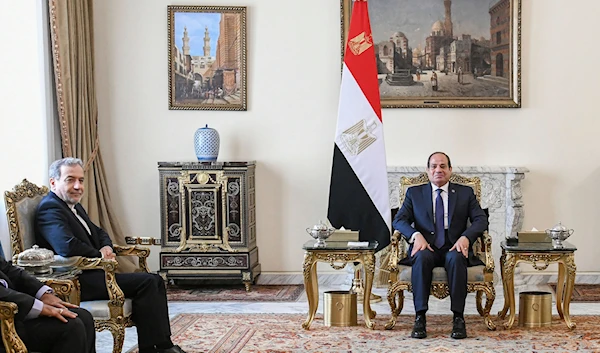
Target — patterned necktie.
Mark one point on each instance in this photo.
(440, 237)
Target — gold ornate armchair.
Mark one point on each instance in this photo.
(480, 279)
(10, 339)
(113, 314)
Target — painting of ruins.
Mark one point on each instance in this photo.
(445, 53)
(207, 57)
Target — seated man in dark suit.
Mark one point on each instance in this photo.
(44, 322)
(63, 225)
(434, 219)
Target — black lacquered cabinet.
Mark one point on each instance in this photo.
(208, 221)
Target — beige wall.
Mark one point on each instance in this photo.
(24, 104)
(293, 85)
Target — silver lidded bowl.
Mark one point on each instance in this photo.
(36, 260)
(320, 232)
(558, 233)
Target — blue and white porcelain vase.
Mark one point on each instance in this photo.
(206, 143)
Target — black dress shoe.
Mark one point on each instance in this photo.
(420, 329)
(174, 349)
(459, 329)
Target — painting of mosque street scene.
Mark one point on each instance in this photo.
(207, 57)
(445, 53)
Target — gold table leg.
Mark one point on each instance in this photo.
(560, 289)
(311, 284)
(571, 268)
(369, 265)
(509, 289)
(502, 313)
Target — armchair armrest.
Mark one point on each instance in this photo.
(142, 241)
(65, 289)
(11, 340)
(487, 258)
(397, 253)
(116, 298)
(394, 251)
(141, 252)
(398, 246)
(483, 250)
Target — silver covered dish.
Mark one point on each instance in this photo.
(320, 232)
(558, 233)
(36, 260)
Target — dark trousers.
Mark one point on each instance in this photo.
(48, 334)
(422, 275)
(149, 298)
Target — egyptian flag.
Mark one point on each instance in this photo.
(358, 194)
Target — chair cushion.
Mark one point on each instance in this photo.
(474, 274)
(26, 217)
(99, 308)
(66, 262)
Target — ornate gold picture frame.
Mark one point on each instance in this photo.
(445, 53)
(207, 57)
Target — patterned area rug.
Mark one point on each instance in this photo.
(258, 293)
(583, 292)
(232, 333)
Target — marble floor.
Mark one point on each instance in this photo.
(335, 282)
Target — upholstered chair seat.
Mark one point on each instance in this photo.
(474, 274)
(100, 310)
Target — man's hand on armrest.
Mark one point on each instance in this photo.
(107, 253)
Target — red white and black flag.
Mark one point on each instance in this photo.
(358, 194)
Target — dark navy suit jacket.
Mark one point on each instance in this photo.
(22, 288)
(416, 214)
(58, 228)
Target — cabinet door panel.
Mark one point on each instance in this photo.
(234, 208)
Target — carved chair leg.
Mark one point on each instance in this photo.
(118, 334)
(478, 300)
(396, 307)
(489, 301)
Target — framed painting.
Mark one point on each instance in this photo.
(207, 57)
(445, 53)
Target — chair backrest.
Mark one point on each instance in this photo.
(21, 204)
(406, 182)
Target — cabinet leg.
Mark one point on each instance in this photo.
(247, 285)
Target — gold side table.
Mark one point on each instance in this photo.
(540, 255)
(337, 254)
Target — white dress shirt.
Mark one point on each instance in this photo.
(81, 220)
(444, 194)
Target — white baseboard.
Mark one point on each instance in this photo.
(532, 277)
(342, 277)
(332, 278)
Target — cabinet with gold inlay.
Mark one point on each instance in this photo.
(208, 221)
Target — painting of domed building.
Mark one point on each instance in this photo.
(466, 46)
